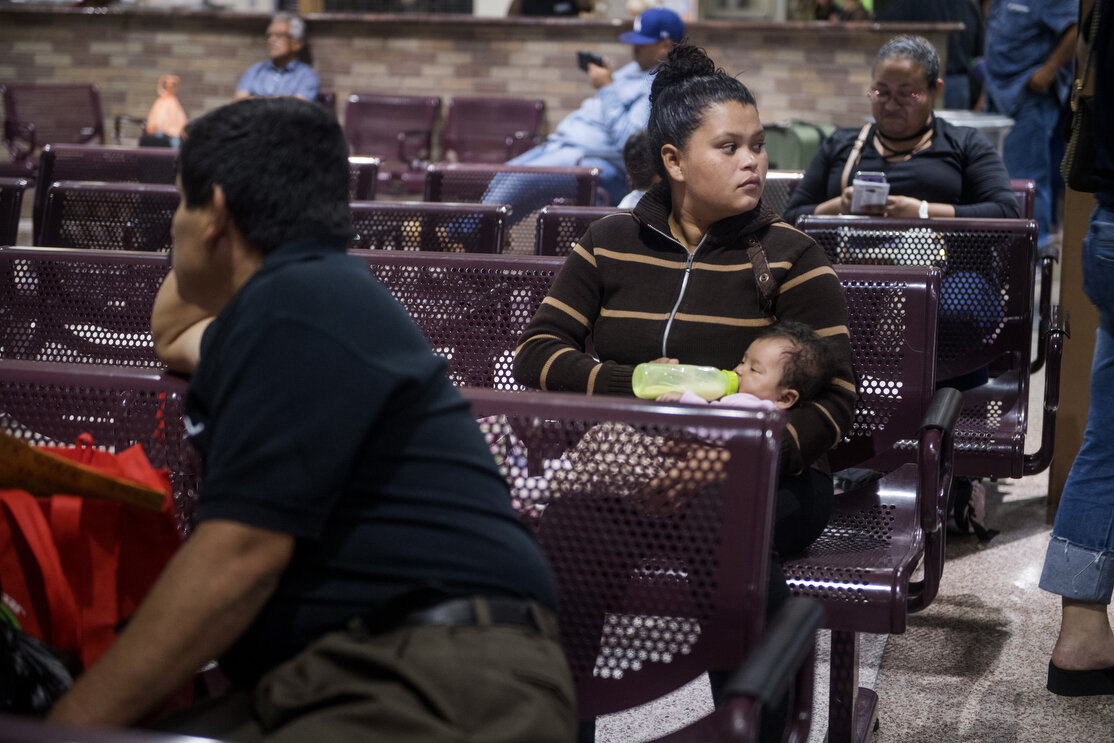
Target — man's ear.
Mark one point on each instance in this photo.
(220, 219)
(671, 157)
(787, 399)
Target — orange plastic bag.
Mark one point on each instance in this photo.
(167, 116)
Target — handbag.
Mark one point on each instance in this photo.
(1077, 167)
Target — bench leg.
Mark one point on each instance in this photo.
(852, 711)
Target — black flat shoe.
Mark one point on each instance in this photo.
(1080, 683)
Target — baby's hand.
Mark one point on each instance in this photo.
(671, 396)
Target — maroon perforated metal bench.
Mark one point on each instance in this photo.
(861, 568)
(560, 226)
(490, 130)
(780, 185)
(48, 403)
(92, 215)
(649, 600)
(363, 178)
(986, 322)
(397, 129)
(526, 189)
(11, 205)
(62, 162)
(79, 306)
(426, 225)
(38, 114)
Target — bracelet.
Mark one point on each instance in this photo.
(922, 212)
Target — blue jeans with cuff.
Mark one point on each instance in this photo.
(1079, 563)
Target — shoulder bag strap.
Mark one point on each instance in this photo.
(853, 158)
(1083, 84)
(763, 278)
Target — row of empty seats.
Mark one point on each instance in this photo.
(399, 129)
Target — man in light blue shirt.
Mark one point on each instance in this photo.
(602, 124)
(283, 73)
(1030, 45)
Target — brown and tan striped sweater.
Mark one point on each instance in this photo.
(637, 294)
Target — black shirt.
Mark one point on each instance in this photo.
(320, 411)
(960, 167)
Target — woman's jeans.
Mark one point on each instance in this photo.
(1079, 563)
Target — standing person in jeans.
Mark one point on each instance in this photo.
(357, 566)
(1079, 564)
(1029, 49)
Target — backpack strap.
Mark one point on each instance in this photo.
(764, 280)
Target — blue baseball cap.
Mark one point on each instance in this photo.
(654, 25)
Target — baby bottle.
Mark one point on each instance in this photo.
(651, 380)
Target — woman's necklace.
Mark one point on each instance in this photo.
(923, 139)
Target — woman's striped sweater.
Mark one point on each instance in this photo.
(636, 294)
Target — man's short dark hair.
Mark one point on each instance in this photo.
(282, 164)
(811, 363)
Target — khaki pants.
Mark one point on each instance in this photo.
(460, 684)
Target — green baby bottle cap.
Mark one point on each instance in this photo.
(732, 381)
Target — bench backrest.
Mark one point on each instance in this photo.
(391, 127)
(525, 188)
(11, 204)
(986, 293)
(472, 308)
(424, 225)
(560, 226)
(38, 114)
(892, 319)
(650, 597)
(79, 306)
(490, 130)
(363, 178)
(780, 185)
(107, 216)
(112, 164)
(51, 404)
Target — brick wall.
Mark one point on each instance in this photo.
(817, 72)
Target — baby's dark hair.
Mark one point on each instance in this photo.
(811, 363)
(639, 160)
(685, 85)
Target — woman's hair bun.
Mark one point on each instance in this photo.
(683, 63)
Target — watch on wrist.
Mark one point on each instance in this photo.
(922, 211)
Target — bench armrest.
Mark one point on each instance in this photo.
(1058, 328)
(936, 465)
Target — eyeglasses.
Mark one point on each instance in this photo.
(901, 97)
(278, 34)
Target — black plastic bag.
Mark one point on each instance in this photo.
(33, 675)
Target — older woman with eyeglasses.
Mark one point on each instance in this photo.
(934, 169)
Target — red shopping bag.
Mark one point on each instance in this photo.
(35, 594)
(108, 552)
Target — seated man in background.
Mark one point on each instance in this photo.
(604, 122)
(283, 73)
(357, 566)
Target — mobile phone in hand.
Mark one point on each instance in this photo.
(583, 58)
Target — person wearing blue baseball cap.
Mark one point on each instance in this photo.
(594, 134)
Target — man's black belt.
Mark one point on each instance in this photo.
(476, 611)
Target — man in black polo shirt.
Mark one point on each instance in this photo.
(357, 565)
